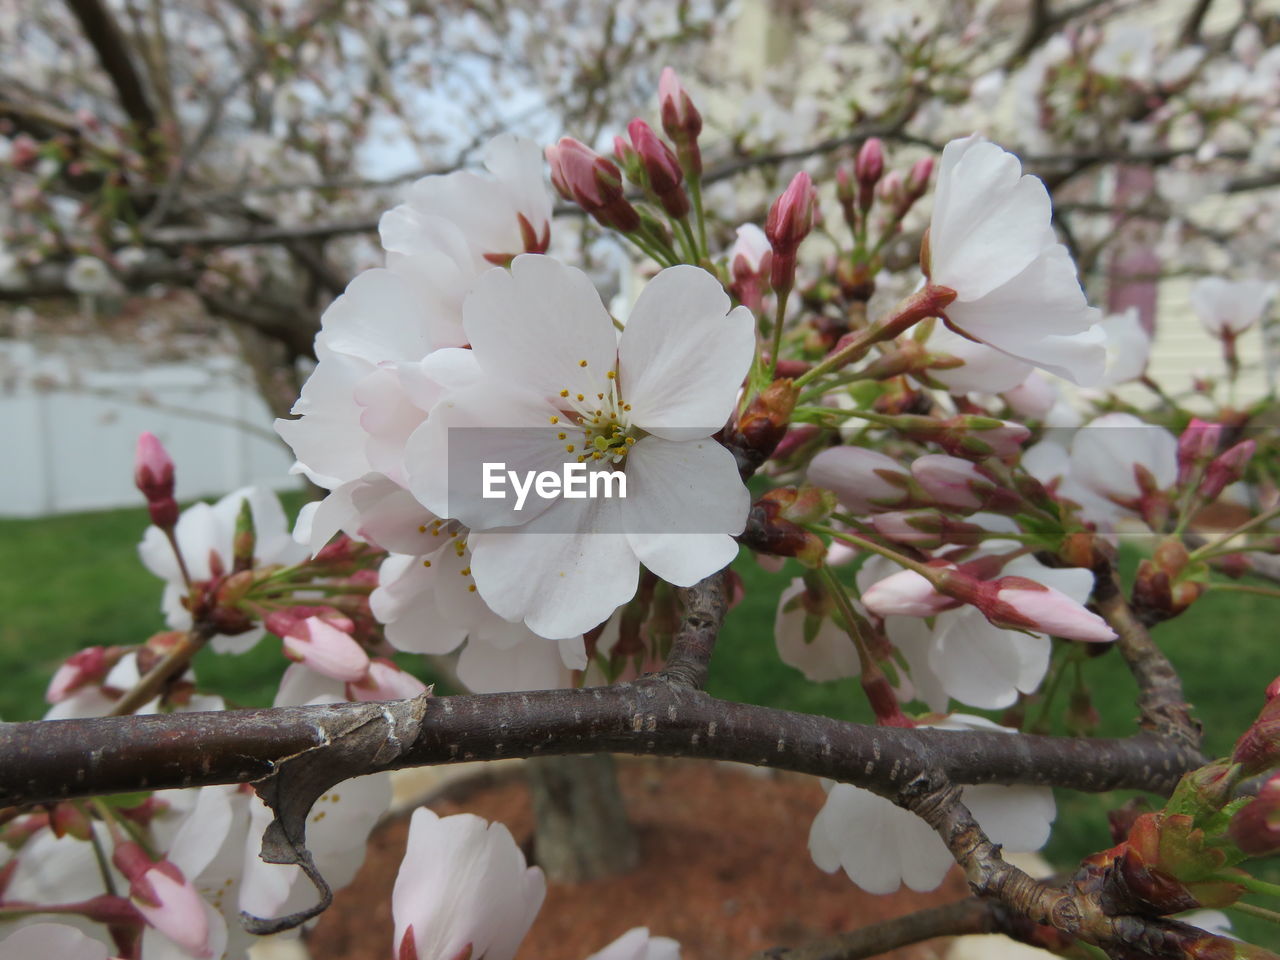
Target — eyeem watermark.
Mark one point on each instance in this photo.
(573, 482)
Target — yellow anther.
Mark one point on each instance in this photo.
(568, 448)
(465, 571)
(612, 374)
(422, 528)
(561, 436)
(626, 406)
(630, 441)
(599, 396)
(564, 393)
(581, 397)
(472, 588)
(582, 363)
(555, 419)
(426, 563)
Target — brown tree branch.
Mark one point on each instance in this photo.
(102, 31)
(1163, 708)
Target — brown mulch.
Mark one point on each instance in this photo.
(725, 870)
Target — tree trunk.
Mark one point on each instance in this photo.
(581, 830)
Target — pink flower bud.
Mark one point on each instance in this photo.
(791, 216)
(918, 179)
(165, 898)
(868, 168)
(329, 651)
(680, 118)
(952, 482)
(385, 681)
(1197, 446)
(153, 475)
(891, 191)
(863, 480)
(593, 182)
(1255, 828)
(24, 152)
(1021, 604)
(1227, 468)
(80, 669)
(926, 528)
(906, 594)
(661, 169)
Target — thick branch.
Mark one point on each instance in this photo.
(55, 759)
(102, 31)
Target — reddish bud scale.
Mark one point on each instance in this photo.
(1258, 748)
(761, 427)
(789, 222)
(768, 532)
(884, 702)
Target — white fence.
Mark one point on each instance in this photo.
(71, 412)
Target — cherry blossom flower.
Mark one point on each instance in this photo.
(965, 657)
(1128, 346)
(205, 535)
(1229, 307)
(638, 944)
(1122, 458)
(882, 846)
(560, 386)
(990, 240)
(165, 897)
(809, 640)
(463, 890)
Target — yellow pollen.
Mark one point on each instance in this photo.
(630, 441)
(555, 419)
(564, 393)
(568, 448)
(561, 436)
(422, 528)
(426, 563)
(626, 406)
(599, 396)
(581, 458)
(472, 588)
(582, 363)
(612, 374)
(581, 397)
(465, 571)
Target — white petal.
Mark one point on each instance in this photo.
(535, 325)
(684, 354)
(560, 584)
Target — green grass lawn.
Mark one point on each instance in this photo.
(71, 581)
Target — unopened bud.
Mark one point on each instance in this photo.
(1018, 603)
(1226, 469)
(1258, 748)
(962, 485)
(926, 529)
(661, 169)
(153, 475)
(1255, 828)
(918, 180)
(865, 481)
(868, 168)
(789, 222)
(593, 182)
(70, 819)
(680, 120)
(906, 593)
(1197, 446)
